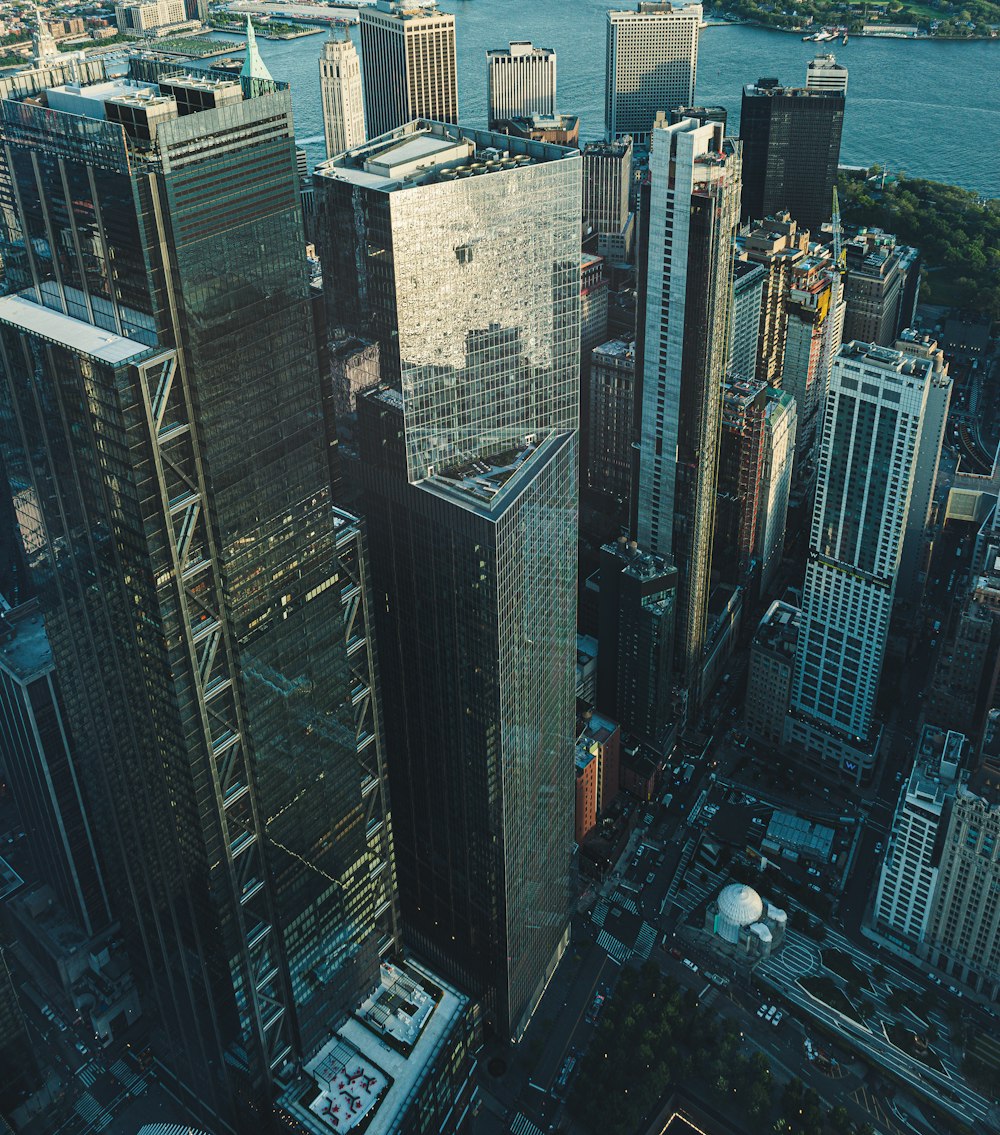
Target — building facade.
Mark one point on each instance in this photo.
(908, 878)
(408, 64)
(741, 484)
(636, 624)
(748, 295)
(188, 569)
(780, 426)
(871, 437)
(772, 668)
(881, 287)
(607, 181)
(651, 62)
(468, 458)
(521, 82)
(791, 151)
(690, 207)
(612, 411)
(341, 96)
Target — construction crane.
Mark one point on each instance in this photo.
(838, 248)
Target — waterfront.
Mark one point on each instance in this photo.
(930, 108)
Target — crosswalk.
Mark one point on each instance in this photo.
(88, 1074)
(89, 1110)
(645, 941)
(613, 948)
(127, 1078)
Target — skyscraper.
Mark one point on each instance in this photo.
(778, 244)
(881, 287)
(824, 73)
(607, 180)
(610, 422)
(741, 481)
(188, 566)
(407, 63)
(651, 62)
(521, 82)
(791, 150)
(748, 295)
(814, 322)
(341, 95)
(870, 444)
(458, 252)
(690, 208)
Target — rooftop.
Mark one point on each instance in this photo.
(427, 153)
(73, 334)
(24, 644)
(365, 1077)
(886, 358)
(779, 628)
(617, 348)
(789, 830)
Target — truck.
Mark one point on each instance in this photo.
(668, 799)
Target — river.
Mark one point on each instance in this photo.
(929, 108)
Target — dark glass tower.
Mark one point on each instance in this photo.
(165, 444)
(791, 150)
(458, 251)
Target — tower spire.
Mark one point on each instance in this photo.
(43, 46)
(253, 65)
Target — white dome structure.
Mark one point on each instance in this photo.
(739, 906)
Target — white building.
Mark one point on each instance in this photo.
(144, 17)
(911, 865)
(867, 453)
(522, 82)
(652, 58)
(407, 63)
(780, 426)
(824, 73)
(340, 91)
(748, 293)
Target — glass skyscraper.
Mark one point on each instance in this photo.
(458, 251)
(165, 445)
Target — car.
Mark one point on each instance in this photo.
(899, 777)
(675, 953)
(639, 850)
(758, 821)
(878, 847)
(769, 1015)
(776, 1020)
(762, 1010)
(82, 1049)
(812, 871)
(692, 966)
(814, 887)
(651, 877)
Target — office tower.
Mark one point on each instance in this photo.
(701, 114)
(870, 443)
(770, 673)
(824, 73)
(521, 82)
(963, 934)
(341, 95)
(607, 180)
(689, 211)
(147, 17)
(814, 320)
(611, 418)
(594, 311)
(791, 150)
(37, 754)
(468, 458)
(741, 484)
(915, 556)
(635, 660)
(407, 64)
(780, 425)
(964, 686)
(748, 295)
(652, 58)
(778, 244)
(909, 874)
(189, 569)
(881, 287)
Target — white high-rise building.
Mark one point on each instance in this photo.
(869, 448)
(340, 90)
(652, 58)
(407, 63)
(824, 73)
(684, 327)
(522, 82)
(911, 865)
